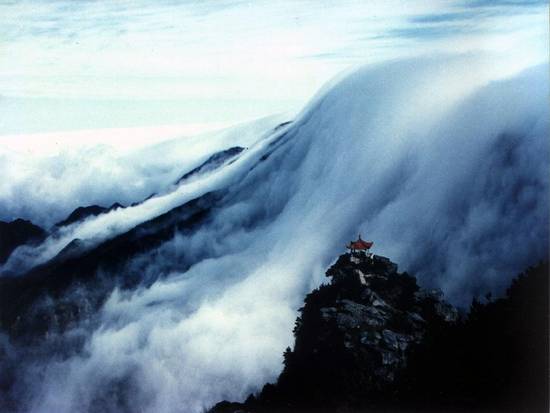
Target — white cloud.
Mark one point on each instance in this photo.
(276, 52)
(436, 166)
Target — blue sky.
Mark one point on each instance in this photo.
(67, 65)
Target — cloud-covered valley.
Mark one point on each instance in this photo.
(444, 170)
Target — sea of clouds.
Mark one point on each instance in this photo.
(441, 161)
(86, 65)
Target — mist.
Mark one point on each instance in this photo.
(441, 161)
(101, 167)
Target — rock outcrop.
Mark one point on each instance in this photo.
(377, 311)
(372, 340)
(352, 337)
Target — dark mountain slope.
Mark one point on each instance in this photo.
(352, 338)
(495, 360)
(82, 213)
(77, 264)
(212, 163)
(373, 341)
(16, 233)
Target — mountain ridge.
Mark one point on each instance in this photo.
(352, 355)
(16, 233)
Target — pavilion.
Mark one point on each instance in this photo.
(359, 246)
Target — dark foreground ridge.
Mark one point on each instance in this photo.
(372, 340)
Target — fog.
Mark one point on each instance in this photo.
(47, 176)
(446, 171)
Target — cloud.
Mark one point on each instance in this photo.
(441, 161)
(47, 176)
(445, 17)
(80, 65)
(515, 4)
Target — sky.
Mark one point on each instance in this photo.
(80, 65)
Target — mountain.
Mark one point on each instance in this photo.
(79, 264)
(496, 359)
(213, 162)
(18, 232)
(82, 213)
(188, 297)
(372, 340)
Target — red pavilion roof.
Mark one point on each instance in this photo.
(359, 244)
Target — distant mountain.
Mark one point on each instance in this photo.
(213, 162)
(372, 340)
(18, 232)
(82, 213)
(78, 264)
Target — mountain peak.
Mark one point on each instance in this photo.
(16, 233)
(352, 335)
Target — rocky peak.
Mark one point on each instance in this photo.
(376, 311)
(352, 336)
(372, 340)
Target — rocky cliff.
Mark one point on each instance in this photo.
(372, 340)
(369, 313)
(352, 337)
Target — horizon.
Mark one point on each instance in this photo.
(77, 66)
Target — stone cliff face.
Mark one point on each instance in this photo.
(377, 312)
(372, 340)
(352, 337)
